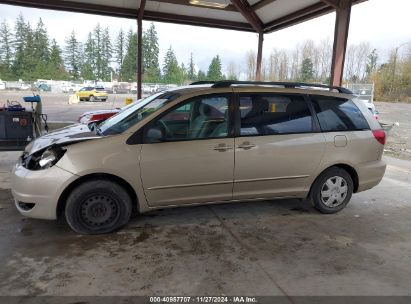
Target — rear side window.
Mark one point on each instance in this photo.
(338, 114)
(269, 114)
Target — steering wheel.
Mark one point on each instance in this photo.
(166, 128)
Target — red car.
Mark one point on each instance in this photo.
(100, 115)
(97, 116)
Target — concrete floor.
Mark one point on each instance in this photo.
(265, 248)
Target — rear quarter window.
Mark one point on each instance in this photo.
(338, 114)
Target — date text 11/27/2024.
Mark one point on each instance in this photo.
(204, 299)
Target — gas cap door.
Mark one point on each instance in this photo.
(340, 140)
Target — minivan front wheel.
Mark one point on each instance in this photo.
(332, 190)
(98, 206)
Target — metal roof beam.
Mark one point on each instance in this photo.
(245, 9)
(111, 11)
(230, 7)
(75, 7)
(334, 3)
(307, 11)
(200, 21)
(261, 4)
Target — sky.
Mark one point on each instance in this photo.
(385, 24)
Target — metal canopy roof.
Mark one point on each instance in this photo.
(262, 16)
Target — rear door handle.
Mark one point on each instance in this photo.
(246, 145)
(222, 148)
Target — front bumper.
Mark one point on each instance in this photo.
(370, 174)
(41, 188)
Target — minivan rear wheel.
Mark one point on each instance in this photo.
(97, 207)
(332, 190)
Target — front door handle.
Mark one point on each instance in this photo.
(246, 145)
(222, 148)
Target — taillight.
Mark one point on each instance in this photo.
(380, 136)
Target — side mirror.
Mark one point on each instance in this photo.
(154, 135)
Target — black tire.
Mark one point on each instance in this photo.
(97, 207)
(92, 98)
(335, 200)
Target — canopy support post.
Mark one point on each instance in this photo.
(342, 23)
(259, 56)
(140, 48)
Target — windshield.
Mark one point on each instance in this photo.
(128, 117)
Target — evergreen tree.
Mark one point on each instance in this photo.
(29, 63)
(56, 68)
(129, 67)
(183, 73)
(307, 70)
(97, 38)
(214, 70)
(201, 76)
(41, 51)
(6, 51)
(88, 64)
(191, 72)
(151, 67)
(72, 55)
(106, 55)
(120, 51)
(171, 70)
(20, 34)
(41, 42)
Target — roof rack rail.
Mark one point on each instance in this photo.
(203, 82)
(228, 83)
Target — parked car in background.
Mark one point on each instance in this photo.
(2, 85)
(177, 148)
(92, 94)
(370, 106)
(42, 87)
(71, 88)
(121, 88)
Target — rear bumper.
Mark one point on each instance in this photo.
(41, 188)
(101, 97)
(370, 174)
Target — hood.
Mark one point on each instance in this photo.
(68, 135)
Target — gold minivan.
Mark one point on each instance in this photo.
(205, 143)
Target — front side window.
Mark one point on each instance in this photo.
(128, 117)
(269, 114)
(200, 117)
(338, 114)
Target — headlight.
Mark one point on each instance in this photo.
(48, 159)
(43, 159)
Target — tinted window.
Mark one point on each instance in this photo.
(201, 117)
(338, 114)
(274, 114)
